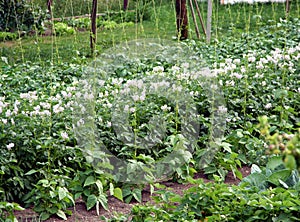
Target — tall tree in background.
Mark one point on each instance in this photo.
(181, 19)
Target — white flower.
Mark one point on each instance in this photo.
(175, 68)
(158, 69)
(58, 108)
(251, 59)
(8, 113)
(4, 121)
(243, 69)
(9, 146)
(64, 135)
(126, 108)
(132, 110)
(230, 83)
(185, 65)
(135, 98)
(238, 76)
(263, 83)
(80, 122)
(237, 61)
(108, 124)
(222, 109)
(165, 108)
(268, 106)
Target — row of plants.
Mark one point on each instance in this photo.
(256, 198)
(40, 155)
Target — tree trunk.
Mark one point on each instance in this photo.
(93, 34)
(49, 6)
(125, 6)
(181, 19)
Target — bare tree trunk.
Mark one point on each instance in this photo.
(93, 34)
(181, 19)
(49, 6)
(125, 5)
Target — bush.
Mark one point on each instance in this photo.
(19, 16)
(7, 36)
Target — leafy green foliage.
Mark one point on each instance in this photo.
(51, 197)
(5, 36)
(259, 73)
(62, 29)
(7, 209)
(275, 174)
(286, 144)
(92, 187)
(20, 16)
(221, 202)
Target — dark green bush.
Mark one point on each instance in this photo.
(18, 15)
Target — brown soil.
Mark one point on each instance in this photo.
(80, 214)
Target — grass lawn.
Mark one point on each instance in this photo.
(228, 20)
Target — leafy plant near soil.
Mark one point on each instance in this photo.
(7, 209)
(221, 202)
(51, 197)
(275, 174)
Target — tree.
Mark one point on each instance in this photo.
(181, 19)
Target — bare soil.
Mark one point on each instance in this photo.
(80, 214)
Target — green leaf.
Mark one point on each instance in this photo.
(126, 191)
(61, 214)
(118, 193)
(290, 162)
(99, 185)
(31, 172)
(103, 200)
(137, 194)
(90, 180)
(255, 169)
(279, 175)
(44, 215)
(274, 162)
(91, 201)
(256, 179)
(226, 147)
(62, 193)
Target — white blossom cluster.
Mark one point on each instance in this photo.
(250, 1)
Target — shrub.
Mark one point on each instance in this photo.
(7, 36)
(19, 16)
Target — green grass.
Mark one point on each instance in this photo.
(227, 21)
